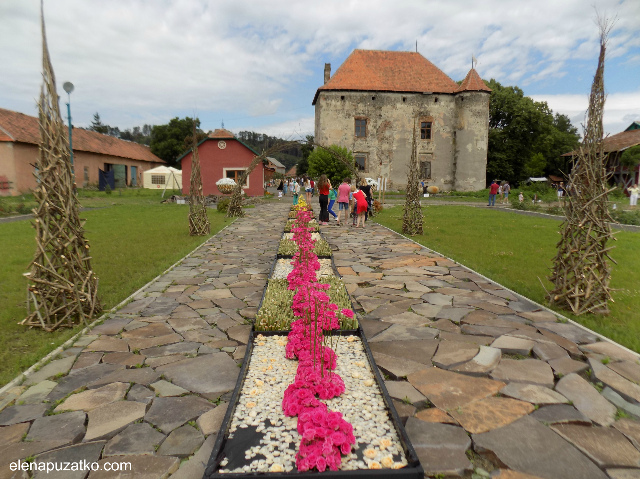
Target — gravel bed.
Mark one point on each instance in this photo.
(260, 407)
(284, 267)
(314, 236)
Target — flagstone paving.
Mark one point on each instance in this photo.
(536, 397)
(481, 377)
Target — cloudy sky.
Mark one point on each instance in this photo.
(256, 64)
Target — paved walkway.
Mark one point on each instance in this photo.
(508, 391)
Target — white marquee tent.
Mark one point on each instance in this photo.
(163, 177)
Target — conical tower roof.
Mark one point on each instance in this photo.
(473, 82)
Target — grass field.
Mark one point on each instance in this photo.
(516, 251)
(133, 239)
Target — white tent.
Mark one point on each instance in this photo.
(163, 177)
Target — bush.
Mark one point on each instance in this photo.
(107, 189)
(223, 204)
(626, 217)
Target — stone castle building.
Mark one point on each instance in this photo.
(374, 99)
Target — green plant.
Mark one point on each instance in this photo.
(223, 205)
(605, 360)
(107, 189)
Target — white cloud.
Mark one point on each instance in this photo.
(620, 109)
(139, 61)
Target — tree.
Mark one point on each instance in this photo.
(525, 136)
(322, 162)
(97, 125)
(168, 141)
(631, 157)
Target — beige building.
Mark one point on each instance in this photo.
(375, 98)
(92, 153)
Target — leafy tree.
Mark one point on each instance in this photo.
(97, 125)
(631, 157)
(306, 148)
(168, 141)
(322, 162)
(525, 137)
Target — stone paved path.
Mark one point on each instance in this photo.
(476, 373)
(150, 385)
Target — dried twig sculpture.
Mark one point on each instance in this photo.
(62, 286)
(412, 218)
(235, 204)
(198, 219)
(581, 273)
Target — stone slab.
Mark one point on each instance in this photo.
(433, 414)
(623, 473)
(67, 427)
(182, 442)
(37, 393)
(398, 332)
(528, 446)
(560, 414)
(420, 351)
(54, 368)
(448, 390)
(108, 345)
(210, 421)
(490, 413)
(144, 376)
(140, 393)
(196, 465)
(570, 332)
(142, 467)
(440, 447)
(529, 371)
(107, 421)
(628, 390)
(111, 326)
(396, 367)
(14, 433)
(511, 345)
(453, 353)
(566, 365)
(631, 429)
(89, 452)
(79, 378)
(626, 369)
(138, 438)
(586, 399)
(211, 373)
(15, 414)
(403, 391)
(605, 446)
(172, 412)
(612, 350)
(94, 398)
(533, 393)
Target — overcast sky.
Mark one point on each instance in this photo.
(256, 64)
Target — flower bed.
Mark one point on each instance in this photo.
(275, 312)
(312, 224)
(327, 411)
(283, 267)
(289, 248)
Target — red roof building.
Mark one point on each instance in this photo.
(92, 152)
(222, 155)
(377, 100)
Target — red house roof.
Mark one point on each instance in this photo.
(221, 133)
(618, 142)
(473, 82)
(21, 128)
(375, 70)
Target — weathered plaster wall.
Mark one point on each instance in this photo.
(472, 138)
(390, 122)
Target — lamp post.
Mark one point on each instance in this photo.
(68, 87)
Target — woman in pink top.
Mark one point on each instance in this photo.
(343, 199)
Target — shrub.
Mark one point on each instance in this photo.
(223, 204)
(107, 189)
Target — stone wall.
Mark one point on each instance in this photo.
(457, 149)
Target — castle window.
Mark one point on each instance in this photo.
(342, 97)
(361, 127)
(425, 130)
(425, 170)
(361, 161)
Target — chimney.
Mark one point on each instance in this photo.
(327, 72)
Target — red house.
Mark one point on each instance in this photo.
(222, 155)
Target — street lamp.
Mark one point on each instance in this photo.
(68, 87)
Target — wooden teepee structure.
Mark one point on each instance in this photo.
(198, 219)
(412, 218)
(581, 272)
(62, 287)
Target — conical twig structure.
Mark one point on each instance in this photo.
(412, 217)
(581, 272)
(62, 286)
(198, 219)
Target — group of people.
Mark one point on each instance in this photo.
(354, 202)
(503, 189)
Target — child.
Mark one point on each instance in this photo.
(296, 192)
(361, 207)
(333, 195)
(521, 197)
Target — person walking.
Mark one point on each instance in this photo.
(501, 192)
(344, 190)
(324, 185)
(366, 189)
(506, 188)
(295, 190)
(352, 204)
(633, 195)
(493, 191)
(285, 187)
(307, 190)
(332, 200)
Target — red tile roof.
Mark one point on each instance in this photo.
(375, 70)
(221, 133)
(618, 142)
(21, 128)
(473, 82)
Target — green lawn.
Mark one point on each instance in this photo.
(133, 239)
(516, 251)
